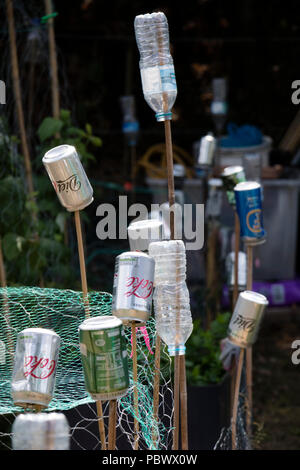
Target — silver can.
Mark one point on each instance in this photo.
(242, 270)
(33, 376)
(41, 431)
(142, 232)
(68, 177)
(133, 286)
(207, 151)
(246, 318)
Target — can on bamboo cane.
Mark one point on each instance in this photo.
(143, 232)
(41, 431)
(207, 149)
(246, 318)
(133, 286)
(68, 177)
(231, 176)
(104, 357)
(33, 376)
(249, 209)
(242, 270)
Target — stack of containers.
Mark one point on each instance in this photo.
(171, 296)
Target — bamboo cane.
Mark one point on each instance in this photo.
(87, 313)
(249, 379)
(236, 397)
(5, 303)
(18, 95)
(236, 257)
(135, 392)
(53, 61)
(112, 424)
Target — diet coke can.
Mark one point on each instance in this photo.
(104, 357)
(33, 377)
(68, 177)
(246, 318)
(133, 286)
(41, 431)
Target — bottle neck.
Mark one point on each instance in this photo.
(176, 350)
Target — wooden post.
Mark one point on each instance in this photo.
(53, 61)
(156, 384)
(236, 398)
(135, 390)
(6, 304)
(87, 313)
(18, 96)
(112, 424)
(236, 257)
(249, 379)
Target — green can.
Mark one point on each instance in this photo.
(104, 357)
(231, 176)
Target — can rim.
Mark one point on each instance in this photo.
(39, 330)
(100, 323)
(254, 297)
(58, 152)
(247, 185)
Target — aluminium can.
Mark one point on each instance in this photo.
(68, 177)
(246, 318)
(41, 431)
(34, 371)
(242, 270)
(142, 232)
(133, 286)
(207, 151)
(249, 209)
(104, 357)
(231, 176)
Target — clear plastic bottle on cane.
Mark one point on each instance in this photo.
(156, 63)
(171, 296)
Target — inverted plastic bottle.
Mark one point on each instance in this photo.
(156, 63)
(171, 296)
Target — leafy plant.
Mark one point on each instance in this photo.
(54, 132)
(203, 349)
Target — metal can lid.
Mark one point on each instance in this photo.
(100, 323)
(232, 170)
(246, 185)
(61, 151)
(254, 297)
(133, 254)
(43, 331)
(143, 232)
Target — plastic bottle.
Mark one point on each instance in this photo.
(156, 63)
(171, 296)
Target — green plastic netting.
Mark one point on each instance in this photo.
(63, 311)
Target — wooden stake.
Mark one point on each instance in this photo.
(87, 312)
(236, 398)
(53, 61)
(236, 258)
(183, 401)
(135, 381)
(112, 424)
(249, 379)
(156, 383)
(18, 95)
(6, 304)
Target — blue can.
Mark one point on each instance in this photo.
(248, 206)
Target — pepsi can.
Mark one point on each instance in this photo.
(248, 206)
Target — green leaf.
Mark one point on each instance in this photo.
(49, 127)
(88, 129)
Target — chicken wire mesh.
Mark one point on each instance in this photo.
(63, 311)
